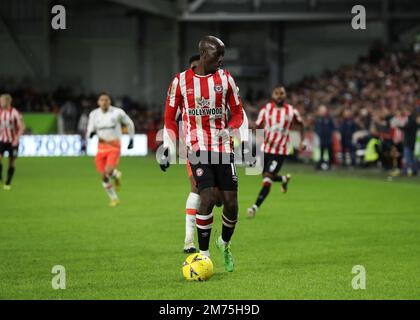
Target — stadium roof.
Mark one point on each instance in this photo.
(270, 10)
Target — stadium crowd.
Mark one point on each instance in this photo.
(373, 105)
(377, 100)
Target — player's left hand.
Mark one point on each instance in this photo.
(15, 143)
(130, 144)
(224, 134)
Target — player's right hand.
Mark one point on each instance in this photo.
(224, 134)
(164, 160)
(15, 142)
(302, 146)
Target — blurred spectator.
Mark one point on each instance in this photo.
(69, 114)
(324, 128)
(410, 134)
(347, 129)
(82, 128)
(397, 135)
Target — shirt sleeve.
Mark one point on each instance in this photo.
(243, 130)
(261, 118)
(20, 125)
(296, 116)
(126, 120)
(91, 125)
(235, 104)
(173, 101)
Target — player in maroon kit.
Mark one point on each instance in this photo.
(276, 117)
(11, 128)
(206, 95)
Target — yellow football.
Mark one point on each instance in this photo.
(197, 267)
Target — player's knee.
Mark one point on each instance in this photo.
(12, 161)
(207, 201)
(194, 188)
(231, 209)
(267, 181)
(108, 171)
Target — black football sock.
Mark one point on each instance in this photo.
(265, 190)
(228, 226)
(10, 173)
(1, 171)
(204, 224)
(279, 178)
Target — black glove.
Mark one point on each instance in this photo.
(247, 155)
(92, 134)
(130, 144)
(164, 160)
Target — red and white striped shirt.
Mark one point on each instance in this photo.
(277, 122)
(204, 102)
(10, 120)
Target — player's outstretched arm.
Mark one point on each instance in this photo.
(236, 110)
(171, 126)
(126, 120)
(21, 129)
(261, 119)
(90, 132)
(299, 121)
(235, 105)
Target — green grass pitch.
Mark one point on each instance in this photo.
(302, 245)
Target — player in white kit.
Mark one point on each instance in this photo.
(106, 122)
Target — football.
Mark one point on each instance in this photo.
(197, 267)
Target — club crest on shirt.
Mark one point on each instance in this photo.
(199, 172)
(218, 88)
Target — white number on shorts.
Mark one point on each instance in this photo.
(273, 165)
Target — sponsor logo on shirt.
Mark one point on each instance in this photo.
(203, 109)
(278, 128)
(215, 112)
